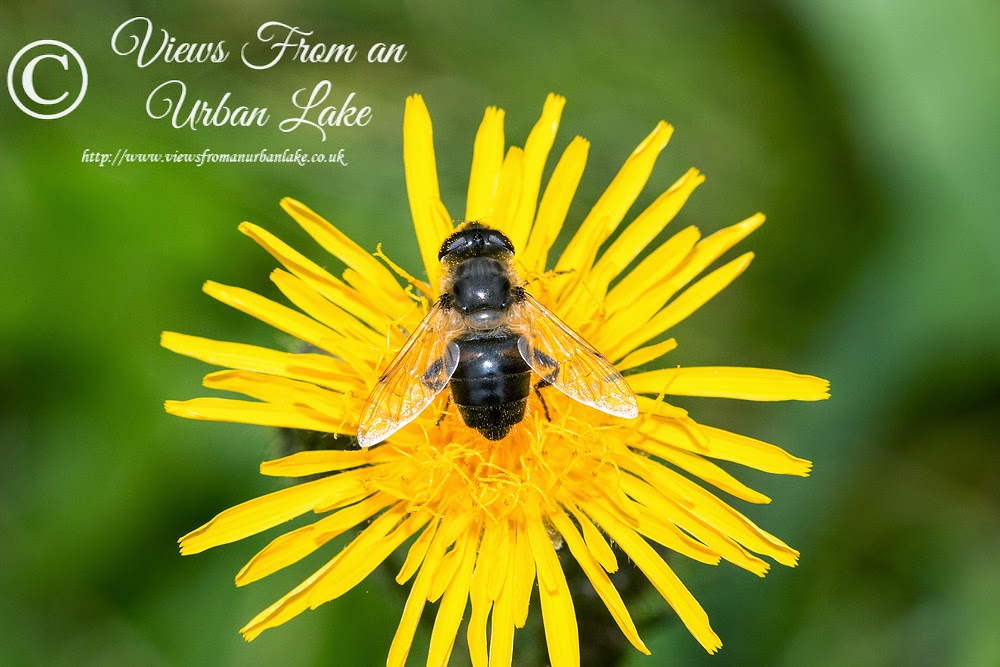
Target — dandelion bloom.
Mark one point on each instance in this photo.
(485, 517)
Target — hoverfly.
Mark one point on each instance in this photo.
(484, 337)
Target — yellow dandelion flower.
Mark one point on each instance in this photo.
(483, 517)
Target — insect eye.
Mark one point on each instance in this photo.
(496, 238)
(451, 245)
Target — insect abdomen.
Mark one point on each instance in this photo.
(491, 384)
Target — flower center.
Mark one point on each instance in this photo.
(540, 462)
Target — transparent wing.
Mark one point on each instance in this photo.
(570, 364)
(415, 376)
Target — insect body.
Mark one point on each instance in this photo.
(484, 337)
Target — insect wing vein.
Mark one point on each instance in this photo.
(561, 357)
(418, 373)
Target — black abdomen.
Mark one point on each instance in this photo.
(491, 384)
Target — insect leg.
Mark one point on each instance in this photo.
(545, 406)
(547, 379)
(444, 412)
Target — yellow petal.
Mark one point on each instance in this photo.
(615, 202)
(485, 582)
(753, 453)
(702, 468)
(399, 650)
(330, 287)
(750, 384)
(689, 301)
(502, 549)
(417, 552)
(270, 388)
(306, 463)
(280, 317)
(279, 390)
(224, 353)
(487, 158)
(267, 511)
(286, 608)
(554, 205)
(558, 615)
(508, 198)
(377, 540)
(296, 545)
(261, 414)
(445, 536)
(598, 578)
(281, 552)
(426, 208)
(588, 294)
(524, 574)
(644, 355)
(396, 308)
(358, 340)
(343, 248)
(635, 299)
(684, 305)
(665, 512)
(502, 627)
(536, 153)
(596, 543)
(659, 408)
(646, 521)
(424, 288)
(716, 513)
(443, 223)
(446, 572)
(720, 444)
(611, 491)
(366, 552)
(645, 280)
(641, 232)
(663, 579)
(712, 247)
(320, 369)
(645, 304)
(481, 594)
(453, 604)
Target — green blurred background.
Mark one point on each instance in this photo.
(867, 132)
